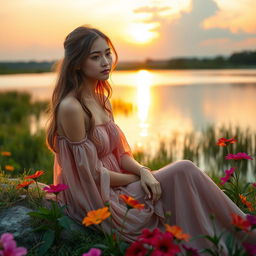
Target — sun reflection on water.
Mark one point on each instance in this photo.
(143, 82)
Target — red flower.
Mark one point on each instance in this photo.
(238, 156)
(240, 223)
(55, 188)
(224, 142)
(165, 246)
(131, 202)
(136, 249)
(24, 184)
(35, 176)
(254, 184)
(149, 237)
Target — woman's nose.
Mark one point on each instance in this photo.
(105, 61)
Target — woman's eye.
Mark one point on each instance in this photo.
(109, 54)
(95, 57)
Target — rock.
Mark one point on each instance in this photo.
(16, 221)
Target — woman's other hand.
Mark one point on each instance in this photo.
(150, 184)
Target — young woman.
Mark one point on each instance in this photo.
(94, 159)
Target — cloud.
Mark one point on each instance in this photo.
(186, 34)
(237, 16)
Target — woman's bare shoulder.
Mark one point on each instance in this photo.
(71, 119)
(70, 105)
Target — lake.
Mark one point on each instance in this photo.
(164, 103)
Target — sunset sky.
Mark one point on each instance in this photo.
(139, 29)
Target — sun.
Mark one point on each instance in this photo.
(142, 33)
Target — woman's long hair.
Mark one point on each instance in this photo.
(77, 46)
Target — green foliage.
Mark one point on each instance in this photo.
(28, 151)
(54, 221)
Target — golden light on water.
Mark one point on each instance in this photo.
(143, 82)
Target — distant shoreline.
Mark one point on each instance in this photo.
(36, 71)
(240, 60)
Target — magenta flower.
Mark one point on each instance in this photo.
(251, 219)
(136, 249)
(93, 252)
(150, 237)
(55, 188)
(254, 184)
(238, 156)
(191, 251)
(8, 246)
(250, 249)
(165, 246)
(228, 175)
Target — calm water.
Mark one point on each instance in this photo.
(162, 103)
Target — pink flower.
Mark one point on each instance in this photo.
(250, 248)
(238, 156)
(254, 184)
(251, 219)
(55, 188)
(8, 246)
(93, 252)
(228, 175)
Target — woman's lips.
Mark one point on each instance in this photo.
(105, 71)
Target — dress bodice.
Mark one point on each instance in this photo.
(108, 136)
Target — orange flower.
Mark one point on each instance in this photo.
(24, 184)
(246, 203)
(240, 223)
(96, 216)
(131, 202)
(6, 153)
(9, 168)
(177, 232)
(35, 175)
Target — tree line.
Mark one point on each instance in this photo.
(243, 59)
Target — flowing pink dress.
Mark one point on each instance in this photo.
(187, 192)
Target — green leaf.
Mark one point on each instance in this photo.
(123, 246)
(37, 214)
(209, 251)
(48, 239)
(100, 246)
(41, 227)
(65, 222)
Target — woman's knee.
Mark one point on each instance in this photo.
(187, 167)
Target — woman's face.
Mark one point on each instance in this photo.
(99, 62)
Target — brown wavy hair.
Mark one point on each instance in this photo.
(77, 46)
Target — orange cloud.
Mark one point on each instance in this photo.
(236, 16)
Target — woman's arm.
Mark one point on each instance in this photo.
(130, 164)
(147, 180)
(121, 179)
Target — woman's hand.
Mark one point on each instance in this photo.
(150, 184)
